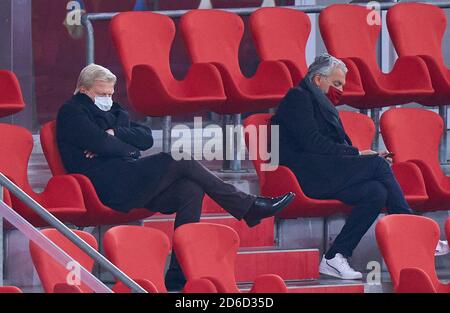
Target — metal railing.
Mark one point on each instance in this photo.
(35, 235)
(88, 18)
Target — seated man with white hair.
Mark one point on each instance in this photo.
(96, 138)
(314, 145)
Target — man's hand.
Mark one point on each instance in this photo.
(367, 152)
(387, 155)
(110, 131)
(89, 155)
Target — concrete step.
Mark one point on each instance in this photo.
(289, 264)
(318, 286)
(259, 236)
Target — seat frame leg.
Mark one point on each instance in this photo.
(375, 113)
(443, 144)
(325, 235)
(167, 133)
(231, 140)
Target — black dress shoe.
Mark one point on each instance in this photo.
(267, 207)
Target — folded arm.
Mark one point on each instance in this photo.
(137, 135)
(76, 128)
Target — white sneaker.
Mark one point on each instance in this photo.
(442, 248)
(338, 267)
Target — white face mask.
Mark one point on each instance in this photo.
(104, 103)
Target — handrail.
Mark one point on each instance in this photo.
(67, 232)
(89, 17)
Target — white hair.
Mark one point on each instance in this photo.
(92, 73)
(323, 65)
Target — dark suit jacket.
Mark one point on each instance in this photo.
(313, 143)
(121, 178)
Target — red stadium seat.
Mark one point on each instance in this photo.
(361, 130)
(348, 35)
(97, 213)
(214, 36)
(10, 289)
(144, 54)
(11, 100)
(140, 252)
(53, 276)
(62, 196)
(407, 243)
(417, 29)
(207, 254)
(414, 135)
(281, 34)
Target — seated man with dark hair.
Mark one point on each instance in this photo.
(314, 145)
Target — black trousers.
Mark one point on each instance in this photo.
(181, 191)
(369, 192)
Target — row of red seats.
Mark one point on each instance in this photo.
(206, 253)
(413, 134)
(215, 81)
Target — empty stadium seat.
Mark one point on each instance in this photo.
(96, 212)
(53, 275)
(152, 88)
(417, 29)
(361, 130)
(10, 289)
(207, 252)
(140, 252)
(62, 196)
(11, 100)
(350, 32)
(408, 243)
(213, 37)
(414, 135)
(282, 34)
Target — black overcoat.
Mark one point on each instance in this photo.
(122, 178)
(313, 143)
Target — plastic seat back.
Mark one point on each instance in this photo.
(351, 31)
(359, 127)
(408, 241)
(208, 251)
(257, 139)
(413, 134)
(16, 144)
(140, 252)
(50, 148)
(282, 34)
(417, 29)
(213, 36)
(143, 38)
(50, 272)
